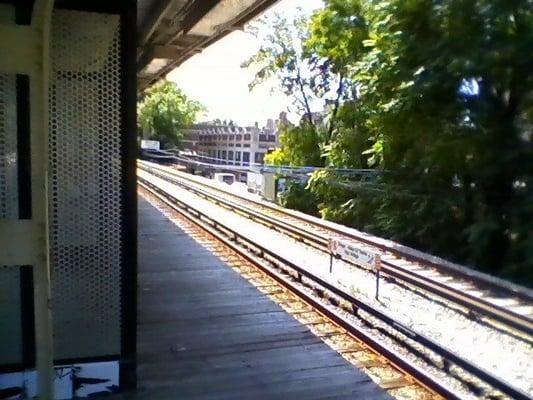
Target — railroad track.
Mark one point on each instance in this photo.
(345, 310)
(480, 296)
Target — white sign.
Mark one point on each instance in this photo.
(150, 144)
(350, 252)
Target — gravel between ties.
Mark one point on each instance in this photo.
(503, 355)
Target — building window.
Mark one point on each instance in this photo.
(239, 137)
(245, 156)
(224, 154)
(271, 138)
(225, 137)
(230, 144)
(237, 145)
(258, 158)
(247, 136)
(262, 138)
(230, 155)
(246, 145)
(237, 156)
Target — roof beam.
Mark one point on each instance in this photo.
(197, 12)
(168, 52)
(171, 43)
(155, 18)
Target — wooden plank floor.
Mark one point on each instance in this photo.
(204, 332)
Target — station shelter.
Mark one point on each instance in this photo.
(71, 72)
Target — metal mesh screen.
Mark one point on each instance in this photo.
(85, 183)
(8, 147)
(10, 307)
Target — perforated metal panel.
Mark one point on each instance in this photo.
(8, 147)
(10, 308)
(85, 179)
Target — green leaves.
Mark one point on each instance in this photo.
(289, 56)
(457, 150)
(165, 111)
(297, 197)
(439, 95)
(300, 146)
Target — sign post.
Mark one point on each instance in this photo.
(378, 270)
(332, 249)
(351, 252)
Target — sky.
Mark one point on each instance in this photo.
(215, 78)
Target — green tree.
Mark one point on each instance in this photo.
(307, 79)
(297, 197)
(299, 146)
(442, 97)
(281, 56)
(166, 111)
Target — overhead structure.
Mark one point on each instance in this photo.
(172, 31)
(68, 144)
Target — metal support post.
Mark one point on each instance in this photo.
(41, 21)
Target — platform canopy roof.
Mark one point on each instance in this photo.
(171, 31)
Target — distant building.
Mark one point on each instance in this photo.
(190, 138)
(233, 145)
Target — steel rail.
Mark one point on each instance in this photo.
(235, 237)
(405, 252)
(470, 302)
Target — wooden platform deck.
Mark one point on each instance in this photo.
(204, 332)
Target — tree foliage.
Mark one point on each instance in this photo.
(301, 74)
(439, 95)
(166, 111)
(281, 56)
(297, 197)
(299, 145)
(444, 100)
